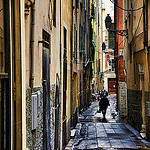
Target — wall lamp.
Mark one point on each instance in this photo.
(108, 23)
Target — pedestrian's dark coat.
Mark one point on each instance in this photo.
(104, 103)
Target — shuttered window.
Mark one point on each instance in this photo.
(54, 13)
(81, 38)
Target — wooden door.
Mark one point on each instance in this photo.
(112, 85)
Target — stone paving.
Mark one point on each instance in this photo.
(92, 132)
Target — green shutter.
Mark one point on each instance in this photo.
(81, 37)
(111, 38)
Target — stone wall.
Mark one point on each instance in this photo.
(52, 114)
(55, 118)
(134, 98)
(147, 94)
(34, 138)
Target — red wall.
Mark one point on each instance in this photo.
(119, 26)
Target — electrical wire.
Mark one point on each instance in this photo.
(134, 34)
(122, 41)
(137, 27)
(126, 9)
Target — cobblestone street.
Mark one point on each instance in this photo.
(92, 132)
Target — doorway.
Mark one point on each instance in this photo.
(64, 85)
(46, 90)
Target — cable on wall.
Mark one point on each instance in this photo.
(126, 9)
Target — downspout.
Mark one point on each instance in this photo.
(71, 67)
(32, 46)
(116, 52)
(145, 22)
(89, 93)
(147, 55)
(28, 4)
(11, 78)
(77, 48)
(60, 84)
(101, 43)
(84, 96)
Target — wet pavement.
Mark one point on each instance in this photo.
(93, 132)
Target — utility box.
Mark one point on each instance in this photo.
(35, 109)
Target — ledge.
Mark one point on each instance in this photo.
(3, 75)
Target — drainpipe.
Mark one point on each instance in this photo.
(32, 46)
(78, 105)
(116, 54)
(84, 30)
(89, 93)
(101, 43)
(71, 67)
(146, 24)
(145, 21)
(60, 84)
(28, 4)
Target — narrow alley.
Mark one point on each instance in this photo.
(58, 57)
(92, 132)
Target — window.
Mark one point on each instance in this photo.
(47, 42)
(77, 3)
(113, 65)
(54, 13)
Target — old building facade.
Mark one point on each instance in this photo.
(97, 15)
(55, 56)
(12, 75)
(43, 74)
(45, 69)
(137, 64)
(119, 63)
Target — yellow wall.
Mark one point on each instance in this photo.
(139, 55)
(98, 42)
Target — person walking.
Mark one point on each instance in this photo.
(103, 105)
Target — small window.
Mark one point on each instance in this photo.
(54, 13)
(47, 43)
(113, 65)
(46, 40)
